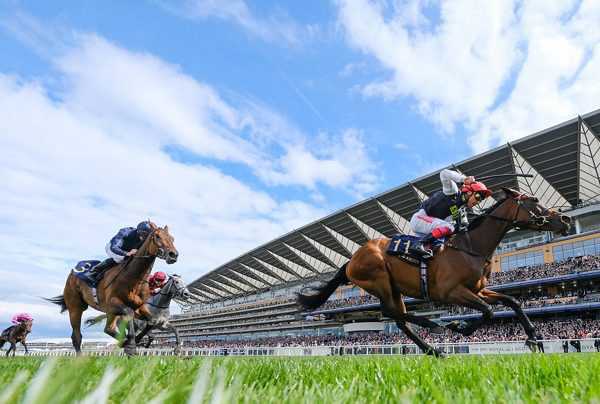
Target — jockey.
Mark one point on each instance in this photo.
(437, 216)
(21, 318)
(124, 244)
(157, 281)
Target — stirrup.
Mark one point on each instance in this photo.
(422, 252)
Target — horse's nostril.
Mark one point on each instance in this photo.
(173, 255)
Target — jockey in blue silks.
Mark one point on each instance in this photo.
(438, 216)
(124, 244)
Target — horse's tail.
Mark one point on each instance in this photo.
(313, 300)
(94, 320)
(60, 300)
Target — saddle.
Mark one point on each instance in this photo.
(83, 270)
(402, 246)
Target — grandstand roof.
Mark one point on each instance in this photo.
(564, 160)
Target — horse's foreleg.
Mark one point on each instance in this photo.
(177, 340)
(465, 297)
(13, 348)
(130, 345)
(494, 297)
(142, 334)
(25, 346)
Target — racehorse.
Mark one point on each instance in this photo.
(14, 334)
(123, 289)
(457, 274)
(159, 308)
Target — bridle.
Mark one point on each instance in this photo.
(534, 219)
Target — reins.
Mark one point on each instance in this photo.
(513, 223)
(126, 265)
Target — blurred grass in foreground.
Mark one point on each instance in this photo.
(519, 378)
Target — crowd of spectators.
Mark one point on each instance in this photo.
(568, 266)
(508, 331)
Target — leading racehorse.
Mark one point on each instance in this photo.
(122, 290)
(457, 274)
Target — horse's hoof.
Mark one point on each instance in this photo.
(436, 353)
(532, 345)
(456, 325)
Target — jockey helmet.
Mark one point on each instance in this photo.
(144, 229)
(477, 187)
(160, 276)
(21, 318)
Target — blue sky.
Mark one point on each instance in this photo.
(234, 122)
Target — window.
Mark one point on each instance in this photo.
(576, 249)
(522, 260)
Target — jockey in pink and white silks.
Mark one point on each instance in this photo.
(438, 215)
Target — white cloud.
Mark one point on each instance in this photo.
(461, 69)
(88, 156)
(277, 27)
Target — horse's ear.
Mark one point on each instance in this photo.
(166, 228)
(152, 225)
(499, 195)
(511, 192)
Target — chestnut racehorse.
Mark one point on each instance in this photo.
(14, 334)
(122, 291)
(457, 274)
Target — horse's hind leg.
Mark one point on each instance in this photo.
(13, 348)
(465, 297)
(393, 306)
(492, 297)
(75, 318)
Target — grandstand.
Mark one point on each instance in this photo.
(250, 299)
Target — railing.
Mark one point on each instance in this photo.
(472, 348)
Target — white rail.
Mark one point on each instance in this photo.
(472, 348)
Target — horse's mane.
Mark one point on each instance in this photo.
(478, 219)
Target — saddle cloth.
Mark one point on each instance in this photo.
(82, 271)
(400, 246)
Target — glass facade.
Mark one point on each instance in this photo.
(522, 260)
(576, 249)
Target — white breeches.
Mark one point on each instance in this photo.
(421, 224)
(116, 257)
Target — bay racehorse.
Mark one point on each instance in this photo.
(158, 305)
(457, 274)
(16, 333)
(122, 290)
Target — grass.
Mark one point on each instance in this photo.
(518, 378)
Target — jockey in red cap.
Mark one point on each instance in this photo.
(157, 281)
(437, 215)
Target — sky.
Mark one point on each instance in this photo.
(234, 122)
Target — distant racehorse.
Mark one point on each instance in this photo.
(123, 289)
(457, 274)
(159, 307)
(14, 334)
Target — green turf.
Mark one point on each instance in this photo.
(519, 378)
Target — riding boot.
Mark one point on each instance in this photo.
(423, 248)
(97, 272)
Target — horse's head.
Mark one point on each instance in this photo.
(180, 291)
(161, 245)
(527, 213)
